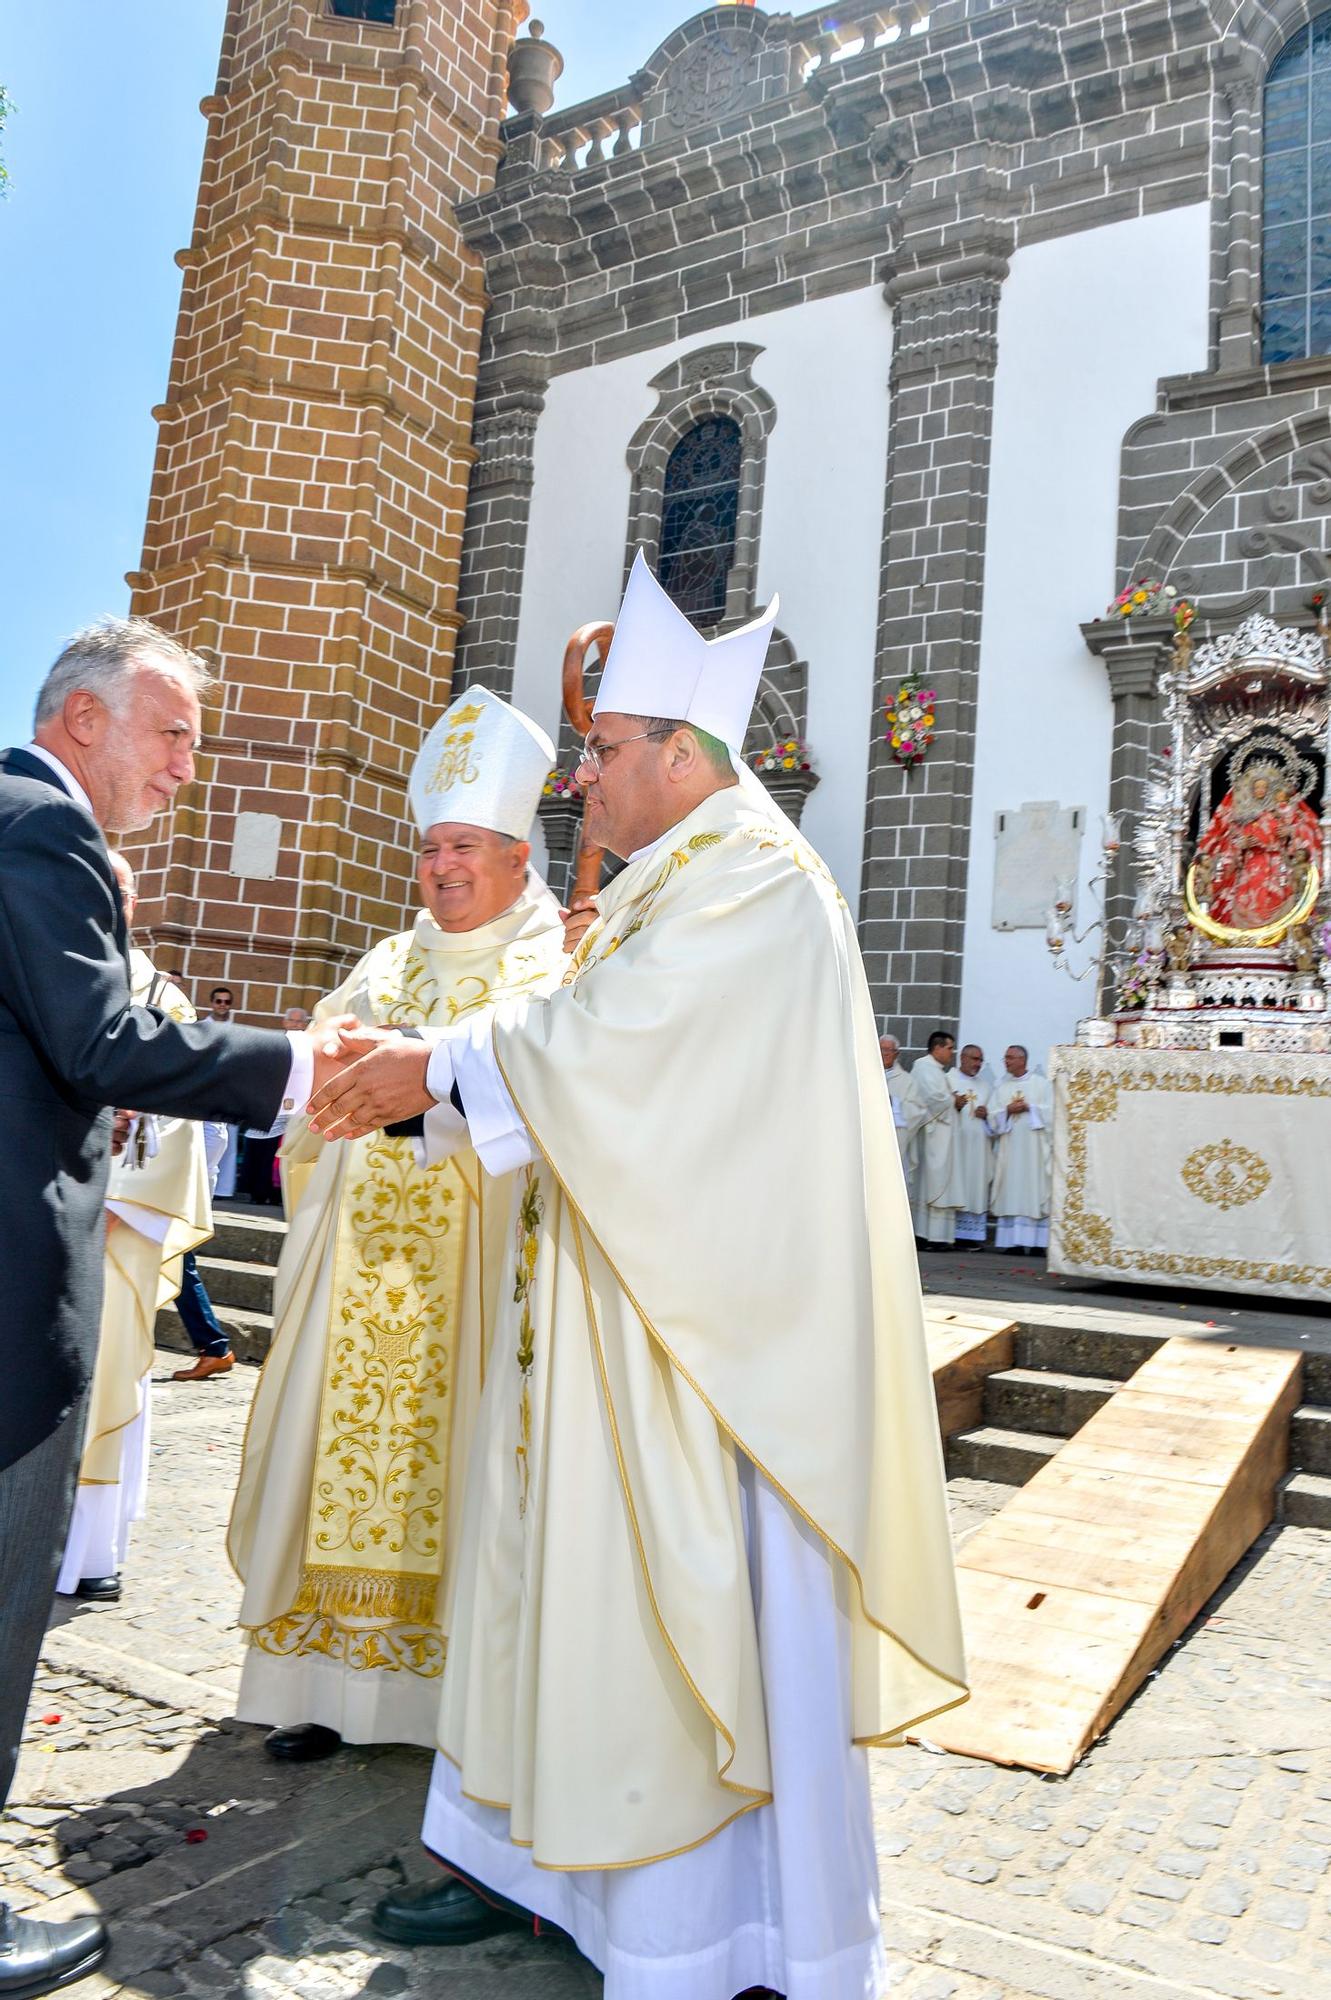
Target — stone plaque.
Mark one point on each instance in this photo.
(1036, 847)
(255, 848)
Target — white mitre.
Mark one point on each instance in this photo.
(660, 664)
(484, 763)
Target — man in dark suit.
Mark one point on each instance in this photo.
(117, 724)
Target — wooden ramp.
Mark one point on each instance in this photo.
(1073, 1593)
(964, 1347)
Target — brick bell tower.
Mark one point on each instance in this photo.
(305, 519)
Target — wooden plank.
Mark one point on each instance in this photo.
(1081, 1584)
(964, 1348)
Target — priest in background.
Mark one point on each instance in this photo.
(973, 1145)
(931, 1108)
(157, 1209)
(704, 1557)
(351, 1483)
(897, 1078)
(1020, 1117)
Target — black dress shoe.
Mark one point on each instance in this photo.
(37, 1957)
(305, 1744)
(98, 1590)
(449, 1912)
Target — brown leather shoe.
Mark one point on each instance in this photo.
(206, 1365)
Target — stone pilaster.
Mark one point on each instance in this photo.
(1239, 328)
(1135, 653)
(494, 538)
(917, 828)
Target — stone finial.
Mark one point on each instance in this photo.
(534, 67)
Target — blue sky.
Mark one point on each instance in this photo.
(103, 152)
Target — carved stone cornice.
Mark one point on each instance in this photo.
(1135, 651)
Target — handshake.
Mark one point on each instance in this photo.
(368, 1077)
(365, 1078)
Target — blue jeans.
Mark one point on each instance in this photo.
(196, 1311)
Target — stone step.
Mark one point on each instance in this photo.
(1305, 1501)
(1009, 1458)
(248, 1235)
(1070, 1350)
(228, 1283)
(250, 1333)
(1310, 1439)
(1042, 1401)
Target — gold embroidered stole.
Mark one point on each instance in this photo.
(374, 1542)
(373, 1555)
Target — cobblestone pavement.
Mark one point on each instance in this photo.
(1186, 1856)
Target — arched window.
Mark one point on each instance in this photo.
(700, 511)
(1296, 188)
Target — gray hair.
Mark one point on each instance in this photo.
(104, 656)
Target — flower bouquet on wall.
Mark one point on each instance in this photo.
(911, 719)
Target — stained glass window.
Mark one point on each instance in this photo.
(700, 510)
(1296, 195)
(380, 11)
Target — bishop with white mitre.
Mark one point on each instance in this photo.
(704, 1558)
(1021, 1112)
(157, 1208)
(973, 1146)
(351, 1484)
(931, 1122)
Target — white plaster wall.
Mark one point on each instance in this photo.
(825, 366)
(1086, 325)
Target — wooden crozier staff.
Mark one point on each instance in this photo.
(587, 874)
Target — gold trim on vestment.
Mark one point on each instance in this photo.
(593, 1867)
(890, 1738)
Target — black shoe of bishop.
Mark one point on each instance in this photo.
(37, 1957)
(449, 1912)
(305, 1744)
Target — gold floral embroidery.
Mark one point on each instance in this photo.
(391, 1648)
(1226, 1175)
(531, 1209)
(1092, 1092)
(639, 911)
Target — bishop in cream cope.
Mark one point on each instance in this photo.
(351, 1484)
(704, 1555)
(158, 1197)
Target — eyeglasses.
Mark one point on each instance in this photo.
(598, 755)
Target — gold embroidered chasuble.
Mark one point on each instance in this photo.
(142, 1273)
(348, 1492)
(712, 1256)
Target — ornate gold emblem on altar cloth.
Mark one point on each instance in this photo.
(1091, 1085)
(1226, 1175)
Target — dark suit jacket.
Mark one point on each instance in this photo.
(71, 1046)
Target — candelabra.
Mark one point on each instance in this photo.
(1113, 940)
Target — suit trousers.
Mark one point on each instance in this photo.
(36, 1501)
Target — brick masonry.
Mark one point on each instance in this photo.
(306, 512)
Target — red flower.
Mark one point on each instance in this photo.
(195, 1834)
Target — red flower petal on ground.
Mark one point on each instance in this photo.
(53, 1718)
(195, 1834)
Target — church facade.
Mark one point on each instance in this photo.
(945, 325)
